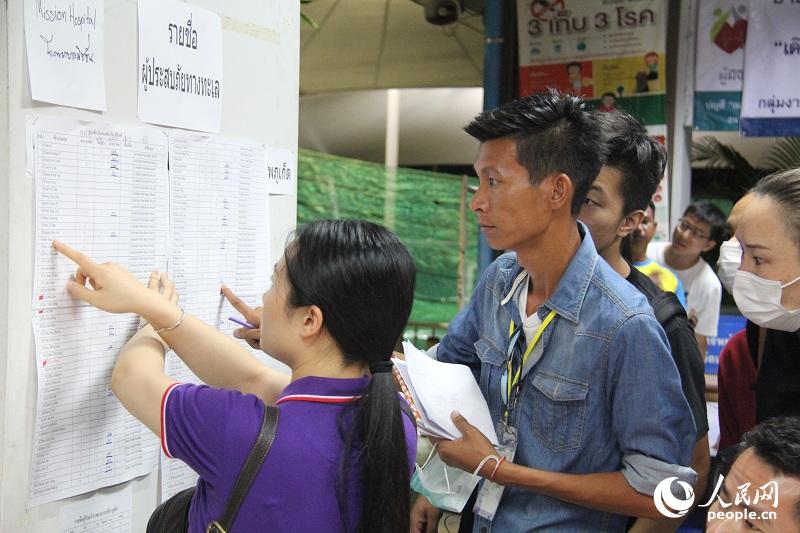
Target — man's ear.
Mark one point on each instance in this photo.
(313, 321)
(709, 245)
(561, 191)
(630, 223)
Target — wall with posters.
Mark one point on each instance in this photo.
(611, 54)
(261, 66)
(770, 97)
(719, 64)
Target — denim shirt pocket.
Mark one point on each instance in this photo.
(492, 366)
(559, 410)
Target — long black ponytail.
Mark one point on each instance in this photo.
(362, 278)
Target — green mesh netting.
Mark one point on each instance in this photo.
(421, 207)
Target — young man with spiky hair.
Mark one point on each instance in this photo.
(568, 354)
(614, 208)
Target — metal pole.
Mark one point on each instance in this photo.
(680, 140)
(391, 154)
(492, 72)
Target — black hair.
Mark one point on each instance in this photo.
(652, 206)
(784, 189)
(638, 157)
(554, 133)
(776, 441)
(608, 94)
(362, 278)
(713, 216)
(574, 64)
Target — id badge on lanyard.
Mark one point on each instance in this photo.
(490, 493)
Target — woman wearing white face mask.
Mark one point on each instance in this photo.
(760, 368)
(765, 286)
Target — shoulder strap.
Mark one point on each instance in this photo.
(666, 307)
(248, 472)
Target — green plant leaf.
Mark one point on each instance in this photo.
(784, 154)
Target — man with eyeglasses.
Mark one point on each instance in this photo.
(701, 228)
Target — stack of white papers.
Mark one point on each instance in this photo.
(437, 389)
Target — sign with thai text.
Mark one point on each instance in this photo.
(771, 91)
(611, 53)
(180, 65)
(719, 66)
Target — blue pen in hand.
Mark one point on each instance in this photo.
(242, 323)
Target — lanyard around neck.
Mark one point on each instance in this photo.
(513, 378)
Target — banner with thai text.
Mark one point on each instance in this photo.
(719, 65)
(771, 90)
(612, 54)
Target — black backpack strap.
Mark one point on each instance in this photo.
(248, 472)
(666, 306)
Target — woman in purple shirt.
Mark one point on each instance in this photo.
(344, 448)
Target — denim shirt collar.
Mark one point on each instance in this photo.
(571, 291)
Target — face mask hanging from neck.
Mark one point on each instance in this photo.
(759, 300)
(730, 258)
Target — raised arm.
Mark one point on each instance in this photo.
(216, 359)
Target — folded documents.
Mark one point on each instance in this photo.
(437, 389)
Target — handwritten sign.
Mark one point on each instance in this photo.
(180, 65)
(66, 50)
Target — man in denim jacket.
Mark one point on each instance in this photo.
(598, 409)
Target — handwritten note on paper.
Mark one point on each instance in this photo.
(101, 513)
(180, 65)
(101, 189)
(66, 50)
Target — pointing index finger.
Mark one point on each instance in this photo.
(82, 260)
(237, 303)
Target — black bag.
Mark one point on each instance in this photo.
(172, 516)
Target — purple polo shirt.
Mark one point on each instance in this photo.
(212, 431)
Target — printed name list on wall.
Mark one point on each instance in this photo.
(66, 51)
(770, 96)
(99, 188)
(719, 69)
(180, 65)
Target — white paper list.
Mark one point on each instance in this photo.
(101, 513)
(103, 190)
(220, 233)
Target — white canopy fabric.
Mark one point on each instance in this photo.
(380, 44)
(353, 124)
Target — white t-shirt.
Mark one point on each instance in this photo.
(703, 290)
(529, 323)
